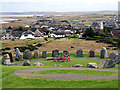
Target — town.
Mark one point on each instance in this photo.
(46, 26)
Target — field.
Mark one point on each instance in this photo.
(61, 45)
(17, 43)
(65, 44)
(23, 21)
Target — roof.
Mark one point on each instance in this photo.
(59, 33)
(38, 33)
(28, 32)
(27, 26)
(116, 32)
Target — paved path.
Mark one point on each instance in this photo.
(28, 73)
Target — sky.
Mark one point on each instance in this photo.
(57, 5)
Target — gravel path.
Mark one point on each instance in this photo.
(28, 73)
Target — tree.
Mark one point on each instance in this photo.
(20, 28)
(89, 32)
(107, 30)
(9, 27)
(47, 32)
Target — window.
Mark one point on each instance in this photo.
(25, 35)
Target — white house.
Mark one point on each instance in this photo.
(27, 26)
(8, 36)
(27, 34)
(67, 32)
(57, 35)
(38, 34)
(52, 35)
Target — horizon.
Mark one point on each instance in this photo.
(55, 11)
(58, 6)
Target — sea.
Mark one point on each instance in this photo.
(20, 15)
(6, 16)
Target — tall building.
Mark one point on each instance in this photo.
(101, 26)
(119, 14)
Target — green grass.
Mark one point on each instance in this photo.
(115, 68)
(69, 63)
(9, 80)
(82, 72)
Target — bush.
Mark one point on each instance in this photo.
(115, 49)
(45, 39)
(88, 38)
(22, 49)
(107, 48)
(39, 45)
(7, 48)
(57, 38)
(111, 46)
(30, 47)
(89, 32)
(3, 53)
(3, 49)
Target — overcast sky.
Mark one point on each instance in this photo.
(57, 5)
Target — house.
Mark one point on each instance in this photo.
(27, 34)
(2, 30)
(67, 32)
(116, 33)
(51, 29)
(8, 36)
(9, 30)
(27, 26)
(37, 26)
(38, 34)
(57, 34)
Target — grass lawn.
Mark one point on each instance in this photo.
(115, 68)
(82, 72)
(9, 80)
(67, 64)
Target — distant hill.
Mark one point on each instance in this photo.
(61, 13)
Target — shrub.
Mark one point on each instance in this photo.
(89, 32)
(107, 48)
(30, 47)
(3, 53)
(45, 39)
(3, 49)
(39, 45)
(7, 48)
(115, 49)
(88, 38)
